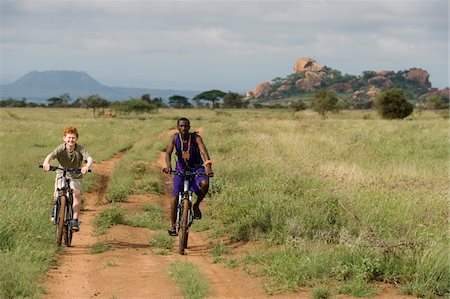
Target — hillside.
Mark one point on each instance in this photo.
(309, 76)
(40, 86)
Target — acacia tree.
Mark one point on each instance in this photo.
(324, 101)
(213, 96)
(94, 101)
(233, 100)
(392, 104)
(179, 102)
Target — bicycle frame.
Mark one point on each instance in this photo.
(64, 209)
(184, 213)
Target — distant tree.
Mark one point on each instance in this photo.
(146, 97)
(324, 101)
(158, 102)
(233, 100)
(133, 105)
(94, 102)
(211, 95)
(298, 105)
(437, 102)
(177, 101)
(11, 102)
(56, 102)
(392, 104)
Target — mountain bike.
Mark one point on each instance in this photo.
(63, 211)
(184, 213)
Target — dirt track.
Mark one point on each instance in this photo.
(131, 269)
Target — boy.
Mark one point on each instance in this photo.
(189, 150)
(71, 155)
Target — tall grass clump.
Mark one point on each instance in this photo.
(345, 184)
(27, 245)
(192, 282)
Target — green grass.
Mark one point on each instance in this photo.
(191, 281)
(162, 240)
(284, 179)
(108, 217)
(152, 218)
(100, 247)
(281, 177)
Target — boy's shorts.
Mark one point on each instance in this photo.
(195, 182)
(75, 184)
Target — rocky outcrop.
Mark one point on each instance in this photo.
(444, 93)
(381, 81)
(420, 76)
(310, 76)
(262, 90)
(307, 64)
(341, 87)
(385, 73)
(309, 83)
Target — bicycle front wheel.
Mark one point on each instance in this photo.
(61, 211)
(183, 233)
(68, 226)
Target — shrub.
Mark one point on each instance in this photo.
(392, 104)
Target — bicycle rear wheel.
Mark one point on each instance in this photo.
(183, 233)
(61, 211)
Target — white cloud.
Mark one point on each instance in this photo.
(220, 40)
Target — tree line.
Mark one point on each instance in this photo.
(390, 104)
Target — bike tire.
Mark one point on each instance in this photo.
(183, 233)
(60, 219)
(68, 227)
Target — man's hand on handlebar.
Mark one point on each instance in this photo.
(46, 166)
(167, 170)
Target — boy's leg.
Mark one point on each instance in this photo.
(76, 203)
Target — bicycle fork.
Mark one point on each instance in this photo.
(181, 196)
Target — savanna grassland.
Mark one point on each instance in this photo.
(337, 205)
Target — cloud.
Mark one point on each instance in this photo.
(216, 41)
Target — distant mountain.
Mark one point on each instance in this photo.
(40, 86)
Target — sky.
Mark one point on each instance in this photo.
(226, 45)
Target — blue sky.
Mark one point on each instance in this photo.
(227, 45)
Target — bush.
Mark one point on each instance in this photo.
(324, 101)
(298, 105)
(133, 105)
(392, 104)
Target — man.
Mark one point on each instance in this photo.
(189, 151)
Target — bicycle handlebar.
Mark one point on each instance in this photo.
(188, 173)
(74, 170)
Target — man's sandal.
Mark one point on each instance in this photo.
(172, 231)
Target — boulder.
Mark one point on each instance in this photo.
(341, 87)
(308, 83)
(381, 81)
(385, 73)
(307, 64)
(262, 90)
(373, 90)
(418, 75)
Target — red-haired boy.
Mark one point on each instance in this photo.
(70, 154)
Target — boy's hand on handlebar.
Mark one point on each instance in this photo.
(167, 170)
(84, 169)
